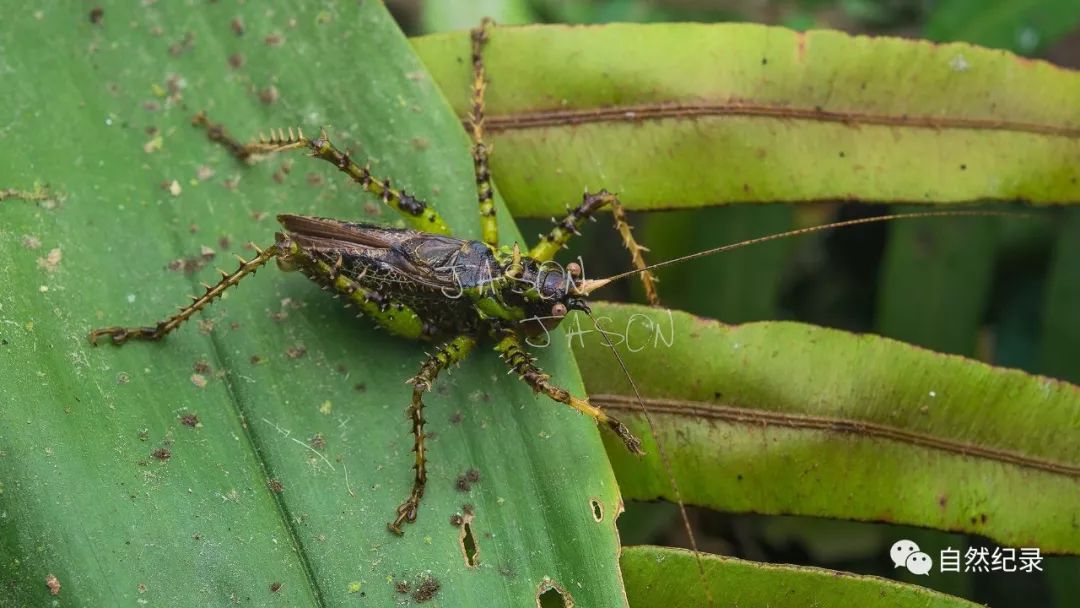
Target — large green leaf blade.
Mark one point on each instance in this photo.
(780, 417)
(281, 493)
(658, 576)
(679, 115)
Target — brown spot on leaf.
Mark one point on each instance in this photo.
(190, 419)
(800, 37)
(182, 46)
(51, 261)
(191, 264)
(466, 479)
(52, 583)
(269, 95)
(162, 453)
(426, 590)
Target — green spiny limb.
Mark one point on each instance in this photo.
(394, 317)
(450, 353)
(484, 191)
(120, 335)
(626, 232)
(511, 349)
(252, 150)
(415, 211)
(569, 226)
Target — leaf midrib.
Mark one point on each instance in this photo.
(646, 112)
(846, 426)
(257, 449)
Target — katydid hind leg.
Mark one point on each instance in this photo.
(159, 330)
(452, 352)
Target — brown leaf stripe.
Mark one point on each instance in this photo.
(659, 111)
(699, 410)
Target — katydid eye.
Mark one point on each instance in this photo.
(574, 269)
(559, 310)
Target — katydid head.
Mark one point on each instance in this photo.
(550, 293)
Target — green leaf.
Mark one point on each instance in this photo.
(1061, 324)
(685, 115)
(780, 417)
(936, 280)
(658, 576)
(301, 451)
(1023, 26)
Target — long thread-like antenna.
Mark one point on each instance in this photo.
(588, 286)
(663, 459)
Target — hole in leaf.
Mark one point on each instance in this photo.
(597, 510)
(551, 595)
(468, 545)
